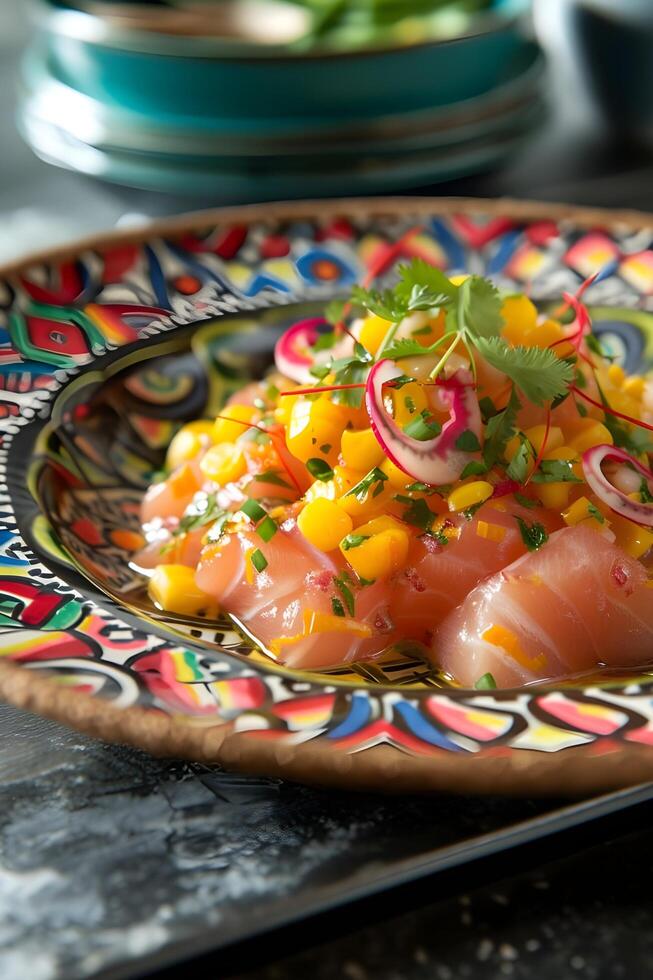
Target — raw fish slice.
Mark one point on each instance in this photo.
(439, 576)
(577, 603)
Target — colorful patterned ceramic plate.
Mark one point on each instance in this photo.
(108, 345)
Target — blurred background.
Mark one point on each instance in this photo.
(147, 109)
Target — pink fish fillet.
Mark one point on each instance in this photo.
(575, 604)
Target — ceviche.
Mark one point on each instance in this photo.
(437, 462)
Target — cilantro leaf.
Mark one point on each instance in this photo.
(499, 430)
(319, 469)
(556, 471)
(418, 513)
(468, 442)
(594, 512)
(533, 535)
(202, 511)
(421, 274)
(518, 467)
(538, 373)
(480, 307)
(527, 502)
(397, 349)
(341, 582)
(473, 468)
(375, 478)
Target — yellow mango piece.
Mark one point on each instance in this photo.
(536, 433)
(232, 425)
(380, 555)
(634, 539)
(173, 588)
(592, 434)
(397, 479)
(520, 317)
(634, 386)
(324, 524)
(546, 333)
(469, 494)
(183, 481)
(315, 429)
(224, 463)
(360, 449)
(555, 496)
(408, 402)
(373, 332)
(188, 443)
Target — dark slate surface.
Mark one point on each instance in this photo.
(107, 855)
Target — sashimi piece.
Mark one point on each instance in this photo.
(167, 548)
(577, 603)
(439, 576)
(294, 595)
(171, 497)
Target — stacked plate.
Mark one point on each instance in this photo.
(239, 119)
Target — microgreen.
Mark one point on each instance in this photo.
(533, 535)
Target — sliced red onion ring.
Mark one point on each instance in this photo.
(435, 461)
(616, 499)
(291, 355)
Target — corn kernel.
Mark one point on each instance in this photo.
(230, 427)
(188, 443)
(469, 494)
(384, 552)
(634, 539)
(224, 463)
(324, 524)
(373, 332)
(360, 449)
(594, 434)
(183, 482)
(491, 532)
(633, 386)
(173, 588)
(536, 433)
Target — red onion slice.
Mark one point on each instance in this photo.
(435, 461)
(292, 356)
(616, 499)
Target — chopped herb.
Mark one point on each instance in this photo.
(335, 311)
(337, 606)
(594, 512)
(325, 342)
(405, 347)
(319, 469)
(353, 541)
(267, 528)
(422, 332)
(533, 536)
(375, 478)
(556, 471)
(366, 581)
(582, 411)
(473, 468)
(486, 683)
(468, 442)
(442, 491)
(488, 408)
(258, 560)
(470, 511)
(528, 502)
(348, 371)
(596, 347)
(217, 529)
(253, 510)
(518, 467)
(579, 379)
(271, 476)
(346, 593)
(401, 380)
(645, 494)
(272, 393)
(202, 511)
(325, 448)
(410, 404)
(423, 427)
(419, 514)
(319, 371)
(499, 430)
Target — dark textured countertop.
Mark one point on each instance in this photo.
(107, 855)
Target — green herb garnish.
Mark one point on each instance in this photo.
(202, 511)
(556, 471)
(337, 606)
(341, 582)
(319, 469)
(533, 535)
(423, 427)
(267, 528)
(539, 374)
(353, 541)
(518, 467)
(645, 494)
(486, 683)
(253, 510)
(473, 468)
(371, 482)
(594, 512)
(526, 501)
(258, 560)
(468, 442)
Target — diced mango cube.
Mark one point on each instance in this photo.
(360, 449)
(384, 550)
(373, 332)
(633, 538)
(536, 434)
(315, 429)
(173, 588)
(234, 422)
(188, 443)
(324, 524)
(224, 463)
(592, 434)
(520, 317)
